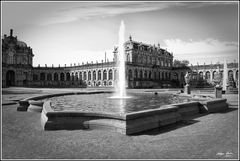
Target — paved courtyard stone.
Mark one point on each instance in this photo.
(213, 136)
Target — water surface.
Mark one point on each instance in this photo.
(103, 102)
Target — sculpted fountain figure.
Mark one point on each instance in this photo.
(218, 87)
(187, 87)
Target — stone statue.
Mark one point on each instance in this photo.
(187, 78)
(217, 78)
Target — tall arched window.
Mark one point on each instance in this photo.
(141, 74)
(162, 63)
(68, 77)
(76, 76)
(62, 77)
(145, 74)
(94, 75)
(135, 73)
(55, 76)
(99, 75)
(110, 74)
(104, 75)
(128, 58)
(129, 74)
(72, 76)
(155, 75)
(35, 77)
(42, 76)
(80, 75)
(11, 58)
(49, 76)
(89, 75)
(150, 75)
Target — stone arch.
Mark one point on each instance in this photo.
(135, 73)
(89, 75)
(182, 76)
(141, 74)
(99, 75)
(128, 58)
(49, 77)
(230, 75)
(55, 76)
(61, 76)
(68, 77)
(105, 75)
(80, 75)
(145, 74)
(42, 76)
(35, 77)
(214, 73)
(207, 75)
(175, 76)
(10, 78)
(85, 75)
(76, 76)
(94, 75)
(166, 75)
(72, 76)
(154, 75)
(150, 75)
(201, 75)
(129, 74)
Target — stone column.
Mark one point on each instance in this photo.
(96, 75)
(211, 75)
(113, 74)
(234, 75)
(87, 75)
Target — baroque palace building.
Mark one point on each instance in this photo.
(146, 66)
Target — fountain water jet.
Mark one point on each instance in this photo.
(225, 75)
(120, 88)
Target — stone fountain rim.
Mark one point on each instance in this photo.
(48, 110)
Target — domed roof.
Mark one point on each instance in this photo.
(21, 44)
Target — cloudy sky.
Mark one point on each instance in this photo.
(76, 32)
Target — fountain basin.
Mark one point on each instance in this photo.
(35, 106)
(127, 123)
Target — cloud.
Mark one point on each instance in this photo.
(87, 10)
(97, 9)
(208, 49)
